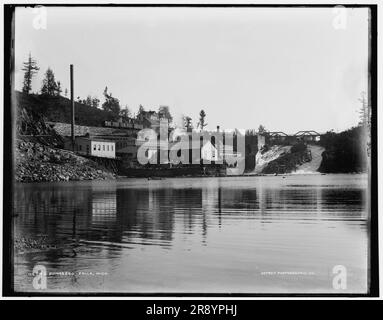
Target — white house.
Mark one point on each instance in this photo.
(209, 152)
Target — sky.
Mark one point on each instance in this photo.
(289, 69)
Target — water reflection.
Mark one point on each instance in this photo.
(98, 225)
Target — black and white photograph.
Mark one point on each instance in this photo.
(190, 150)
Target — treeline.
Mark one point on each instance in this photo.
(346, 152)
(50, 89)
(58, 109)
(51, 92)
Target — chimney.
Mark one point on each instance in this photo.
(217, 128)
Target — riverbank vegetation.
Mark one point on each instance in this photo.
(345, 152)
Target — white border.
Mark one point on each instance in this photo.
(380, 139)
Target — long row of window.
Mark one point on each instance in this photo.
(104, 147)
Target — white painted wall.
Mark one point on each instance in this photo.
(104, 149)
(209, 152)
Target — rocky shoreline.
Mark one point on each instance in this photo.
(23, 244)
(36, 162)
(44, 244)
(39, 156)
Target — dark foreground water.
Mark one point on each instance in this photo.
(205, 235)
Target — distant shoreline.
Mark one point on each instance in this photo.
(125, 178)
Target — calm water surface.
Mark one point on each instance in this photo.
(218, 235)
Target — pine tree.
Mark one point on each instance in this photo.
(201, 122)
(364, 112)
(49, 84)
(30, 69)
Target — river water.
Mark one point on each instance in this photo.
(266, 234)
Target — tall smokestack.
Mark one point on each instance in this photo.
(72, 107)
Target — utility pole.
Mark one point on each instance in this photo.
(72, 107)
